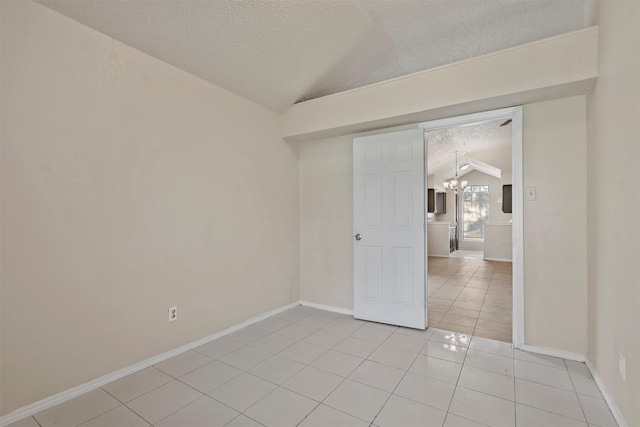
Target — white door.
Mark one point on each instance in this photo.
(389, 232)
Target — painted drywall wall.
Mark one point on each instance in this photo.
(555, 263)
(613, 150)
(555, 224)
(128, 186)
(326, 220)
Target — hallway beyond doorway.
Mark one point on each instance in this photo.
(471, 296)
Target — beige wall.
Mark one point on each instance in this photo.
(614, 204)
(128, 186)
(555, 226)
(326, 222)
(555, 253)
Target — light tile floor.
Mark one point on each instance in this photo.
(470, 296)
(308, 367)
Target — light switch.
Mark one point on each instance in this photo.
(530, 193)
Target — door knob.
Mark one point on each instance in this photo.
(358, 236)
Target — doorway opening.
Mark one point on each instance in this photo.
(474, 237)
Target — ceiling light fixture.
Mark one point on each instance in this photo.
(454, 184)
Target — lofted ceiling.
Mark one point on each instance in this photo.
(485, 146)
(279, 52)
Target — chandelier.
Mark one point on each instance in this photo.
(454, 184)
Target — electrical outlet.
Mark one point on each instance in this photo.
(173, 313)
(623, 368)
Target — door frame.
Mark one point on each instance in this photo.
(517, 231)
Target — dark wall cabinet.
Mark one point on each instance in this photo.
(506, 199)
(436, 201)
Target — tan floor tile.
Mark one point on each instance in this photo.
(436, 316)
(482, 273)
(477, 284)
(505, 277)
(502, 284)
(500, 318)
(471, 296)
(439, 304)
(491, 308)
(499, 301)
(473, 305)
(488, 325)
(501, 293)
(473, 292)
(461, 276)
(506, 296)
(460, 320)
(432, 289)
(464, 291)
(477, 298)
(448, 292)
(465, 312)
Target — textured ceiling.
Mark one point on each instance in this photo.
(278, 52)
(487, 143)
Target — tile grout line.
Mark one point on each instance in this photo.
(406, 371)
(221, 385)
(391, 333)
(343, 378)
(458, 379)
(306, 365)
(485, 294)
(576, 393)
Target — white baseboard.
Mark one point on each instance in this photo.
(498, 259)
(615, 411)
(327, 307)
(554, 352)
(69, 394)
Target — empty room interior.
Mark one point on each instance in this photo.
(320, 213)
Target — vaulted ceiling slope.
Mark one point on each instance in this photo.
(486, 147)
(279, 52)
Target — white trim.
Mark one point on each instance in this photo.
(69, 394)
(517, 231)
(327, 307)
(547, 351)
(615, 411)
